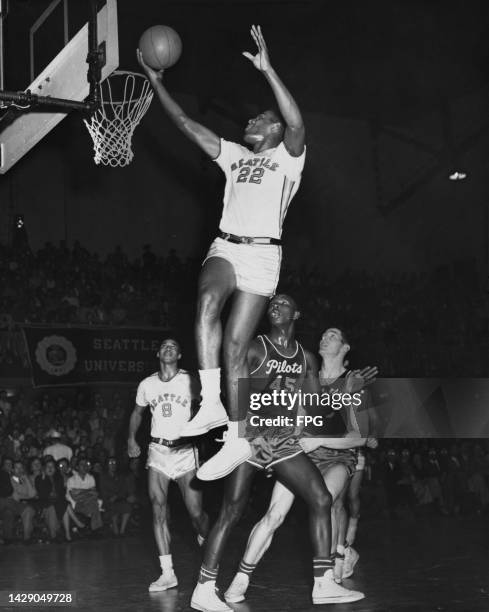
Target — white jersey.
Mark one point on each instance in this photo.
(170, 403)
(259, 188)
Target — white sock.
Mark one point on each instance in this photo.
(211, 384)
(166, 563)
(233, 430)
(340, 549)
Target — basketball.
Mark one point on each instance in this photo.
(161, 47)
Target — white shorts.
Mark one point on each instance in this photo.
(172, 462)
(256, 266)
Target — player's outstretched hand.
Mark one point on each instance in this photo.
(369, 374)
(133, 449)
(261, 61)
(372, 443)
(153, 75)
(356, 380)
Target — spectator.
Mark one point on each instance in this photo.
(391, 475)
(135, 483)
(23, 493)
(51, 492)
(56, 448)
(432, 473)
(8, 506)
(5, 404)
(117, 498)
(82, 494)
(35, 469)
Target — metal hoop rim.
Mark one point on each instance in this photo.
(122, 73)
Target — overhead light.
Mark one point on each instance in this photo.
(457, 176)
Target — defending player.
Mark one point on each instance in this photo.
(349, 524)
(276, 362)
(334, 457)
(244, 260)
(169, 393)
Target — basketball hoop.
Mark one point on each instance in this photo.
(125, 98)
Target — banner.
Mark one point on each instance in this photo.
(88, 355)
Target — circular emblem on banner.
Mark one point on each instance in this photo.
(56, 355)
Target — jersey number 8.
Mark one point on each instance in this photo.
(166, 410)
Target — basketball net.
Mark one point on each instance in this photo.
(112, 125)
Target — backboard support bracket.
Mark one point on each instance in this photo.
(96, 59)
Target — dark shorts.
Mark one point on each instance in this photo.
(267, 451)
(325, 458)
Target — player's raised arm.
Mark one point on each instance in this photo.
(202, 136)
(295, 133)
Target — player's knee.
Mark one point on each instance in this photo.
(208, 306)
(338, 504)
(196, 514)
(234, 350)
(323, 501)
(273, 519)
(159, 510)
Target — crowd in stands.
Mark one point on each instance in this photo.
(61, 466)
(408, 324)
(65, 472)
(411, 477)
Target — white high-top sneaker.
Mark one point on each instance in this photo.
(205, 598)
(351, 559)
(237, 589)
(234, 452)
(326, 591)
(209, 416)
(167, 580)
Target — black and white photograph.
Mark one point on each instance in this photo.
(244, 291)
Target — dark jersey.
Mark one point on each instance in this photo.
(336, 423)
(275, 373)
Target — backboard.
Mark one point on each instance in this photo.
(64, 75)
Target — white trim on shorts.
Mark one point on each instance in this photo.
(151, 467)
(269, 465)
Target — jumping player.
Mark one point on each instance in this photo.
(334, 457)
(169, 393)
(276, 362)
(244, 260)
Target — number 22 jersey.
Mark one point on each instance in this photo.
(259, 188)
